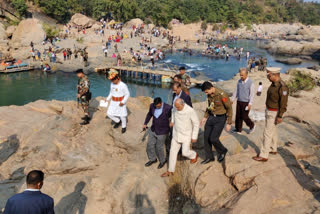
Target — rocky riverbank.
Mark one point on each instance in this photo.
(96, 169)
(284, 39)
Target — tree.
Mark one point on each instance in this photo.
(57, 9)
(20, 6)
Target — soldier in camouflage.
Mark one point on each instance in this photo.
(84, 95)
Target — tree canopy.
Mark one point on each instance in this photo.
(161, 12)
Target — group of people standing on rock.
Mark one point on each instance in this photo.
(179, 122)
(176, 125)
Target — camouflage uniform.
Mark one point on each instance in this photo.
(83, 90)
(186, 80)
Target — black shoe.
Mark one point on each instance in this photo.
(117, 125)
(123, 130)
(149, 163)
(85, 117)
(85, 122)
(222, 156)
(162, 164)
(207, 160)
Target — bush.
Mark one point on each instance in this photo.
(20, 6)
(204, 26)
(300, 81)
(51, 32)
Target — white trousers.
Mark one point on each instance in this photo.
(117, 119)
(174, 149)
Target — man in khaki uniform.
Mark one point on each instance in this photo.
(218, 112)
(276, 106)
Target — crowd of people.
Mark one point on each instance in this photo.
(179, 123)
(175, 126)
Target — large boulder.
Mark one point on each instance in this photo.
(82, 21)
(28, 30)
(10, 30)
(132, 22)
(290, 61)
(285, 47)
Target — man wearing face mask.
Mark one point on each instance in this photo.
(161, 114)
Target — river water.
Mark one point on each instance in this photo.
(22, 88)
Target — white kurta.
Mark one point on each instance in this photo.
(119, 90)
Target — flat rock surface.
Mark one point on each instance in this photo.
(96, 169)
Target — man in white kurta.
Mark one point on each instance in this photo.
(185, 124)
(118, 97)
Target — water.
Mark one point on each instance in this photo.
(220, 69)
(22, 88)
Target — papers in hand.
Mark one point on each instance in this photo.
(103, 103)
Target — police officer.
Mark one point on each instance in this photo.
(84, 95)
(276, 103)
(218, 112)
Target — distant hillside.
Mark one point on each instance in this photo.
(161, 12)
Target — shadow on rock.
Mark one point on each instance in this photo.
(73, 203)
(143, 205)
(304, 180)
(245, 142)
(8, 148)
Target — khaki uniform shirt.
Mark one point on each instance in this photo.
(83, 85)
(219, 103)
(277, 97)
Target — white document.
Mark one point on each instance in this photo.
(103, 104)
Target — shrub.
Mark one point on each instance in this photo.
(51, 31)
(300, 81)
(204, 26)
(20, 6)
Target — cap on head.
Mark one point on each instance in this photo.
(182, 68)
(79, 71)
(112, 74)
(273, 70)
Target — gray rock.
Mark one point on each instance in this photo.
(290, 61)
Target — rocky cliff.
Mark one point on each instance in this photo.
(96, 169)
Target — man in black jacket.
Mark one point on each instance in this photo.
(179, 93)
(161, 113)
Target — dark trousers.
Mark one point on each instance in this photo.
(242, 115)
(212, 132)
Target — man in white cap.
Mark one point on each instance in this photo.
(119, 95)
(276, 106)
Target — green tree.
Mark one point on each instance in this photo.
(20, 6)
(57, 9)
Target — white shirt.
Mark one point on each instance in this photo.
(260, 88)
(118, 90)
(32, 190)
(186, 124)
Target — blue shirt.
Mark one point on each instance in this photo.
(158, 111)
